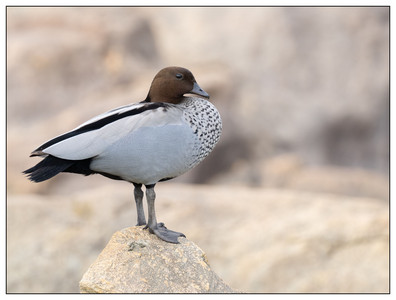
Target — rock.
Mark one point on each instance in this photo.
(135, 261)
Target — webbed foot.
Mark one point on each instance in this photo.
(165, 234)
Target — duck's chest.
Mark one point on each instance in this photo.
(205, 122)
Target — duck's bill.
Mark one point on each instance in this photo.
(198, 91)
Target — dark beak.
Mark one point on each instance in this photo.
(198, 91)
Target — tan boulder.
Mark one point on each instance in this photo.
(135, 261)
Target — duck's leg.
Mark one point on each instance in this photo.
(158, 229)
(138, 193)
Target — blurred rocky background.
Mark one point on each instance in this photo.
(295, 196)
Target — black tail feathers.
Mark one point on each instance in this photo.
(48, 168)
(51, 166)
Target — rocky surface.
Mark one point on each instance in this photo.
(135, 261)
(288, 171)
(257, 240)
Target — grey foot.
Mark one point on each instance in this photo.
(165, 234)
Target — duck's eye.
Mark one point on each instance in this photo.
(179, 76)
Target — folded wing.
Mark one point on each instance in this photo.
(96, 135)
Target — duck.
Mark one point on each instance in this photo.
(142, 143)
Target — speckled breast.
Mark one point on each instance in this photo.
(205, 122)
